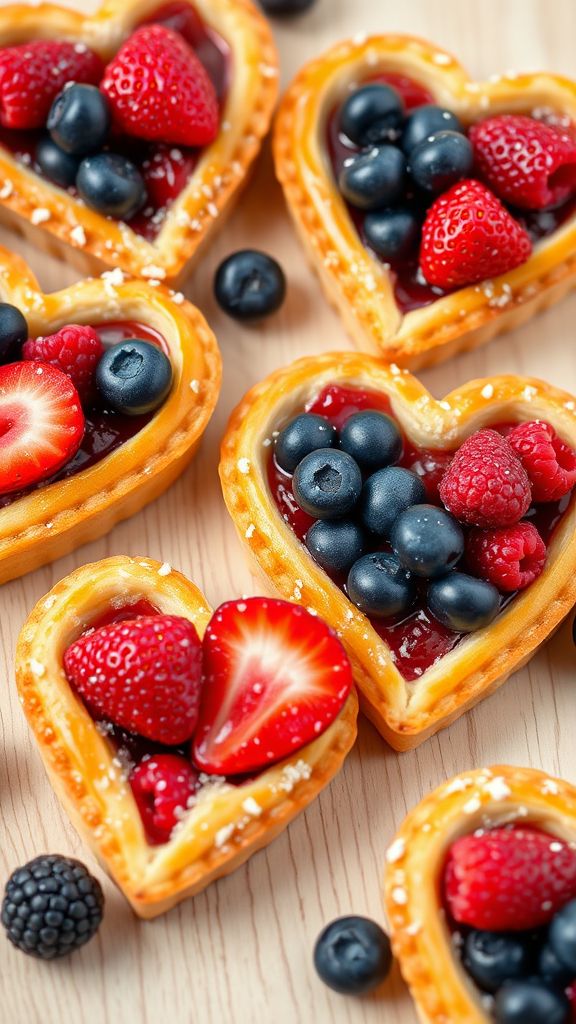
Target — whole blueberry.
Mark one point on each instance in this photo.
(249, 285)
(133, 377)
(378, 585)
(491, 958)
(285, 8)
(392, 234)
(55, 164)
(425, 121)
(111, 185)
(427, 540)
(562, 936)
(374, 179)
(79, 119)
(372, 114)
(335, 544)
(13, 332)
(552, 969)
(440, 161)
(386, 494)
(373, 439)
(304, 434)
(327, 483)
(530, 1001)
(352, 955)
(463, 603)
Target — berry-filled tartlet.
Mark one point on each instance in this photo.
(105, 391)
(125, 135)
(481, 899)
(437, 211)
(238, 719)
(436, 537)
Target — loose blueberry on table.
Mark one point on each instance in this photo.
(113, 135)
(510, 900)
(430, 545)
(249, 285)
(352, 955)
(69, 399)
(444, 204)
(267, 679)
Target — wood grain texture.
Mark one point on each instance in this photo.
(241, 952)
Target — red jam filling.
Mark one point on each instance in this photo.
(417, 641)
(411, 291)
(105, 429)
(214, 53)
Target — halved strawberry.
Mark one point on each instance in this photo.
(275, 678)
(41, 423)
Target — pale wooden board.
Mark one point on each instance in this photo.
(241, 952)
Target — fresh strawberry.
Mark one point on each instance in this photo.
(142, 674)
(159, 90)
(509, 879)
(526, 162)
(275, 677)
(486, 484)
(41, 424)
(166, 172)
(549, 462)
(75, 349)
(469, 236)
(32, 75)
(163, 786)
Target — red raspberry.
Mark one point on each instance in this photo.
(511, 558)
(485, 484)
(159, 90)
(162, 786)
(32, 75)
(142, 674)
(509, 879)
(468, 236)
(548, 461)
(528, 163)
(74, 349)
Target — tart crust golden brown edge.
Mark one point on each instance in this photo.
(415, 860)
(357, 284)
(226, 826)
(70, 230)
(404, 713)
(55, 519)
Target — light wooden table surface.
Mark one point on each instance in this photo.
(242, 951)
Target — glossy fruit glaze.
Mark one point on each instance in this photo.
(213, 52)
(411, 291)
(105, 430)
(418, 640)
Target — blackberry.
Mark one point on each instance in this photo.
(51, 906)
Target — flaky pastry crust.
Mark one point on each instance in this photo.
(442, 990)
(405, 713)
(359, 285)
(68, 229)
(53, 520)
(227, 824)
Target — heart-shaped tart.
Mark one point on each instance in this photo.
(89, 759)
(422, 651)
(361, 146)
(119, 461)
(176, 183)
(471, 956)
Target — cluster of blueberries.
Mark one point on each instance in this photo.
(72, 154)
(350, 483)
(404, 162)
(526, 972)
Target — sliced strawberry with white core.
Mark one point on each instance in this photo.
(275, 678)
(41, 423)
